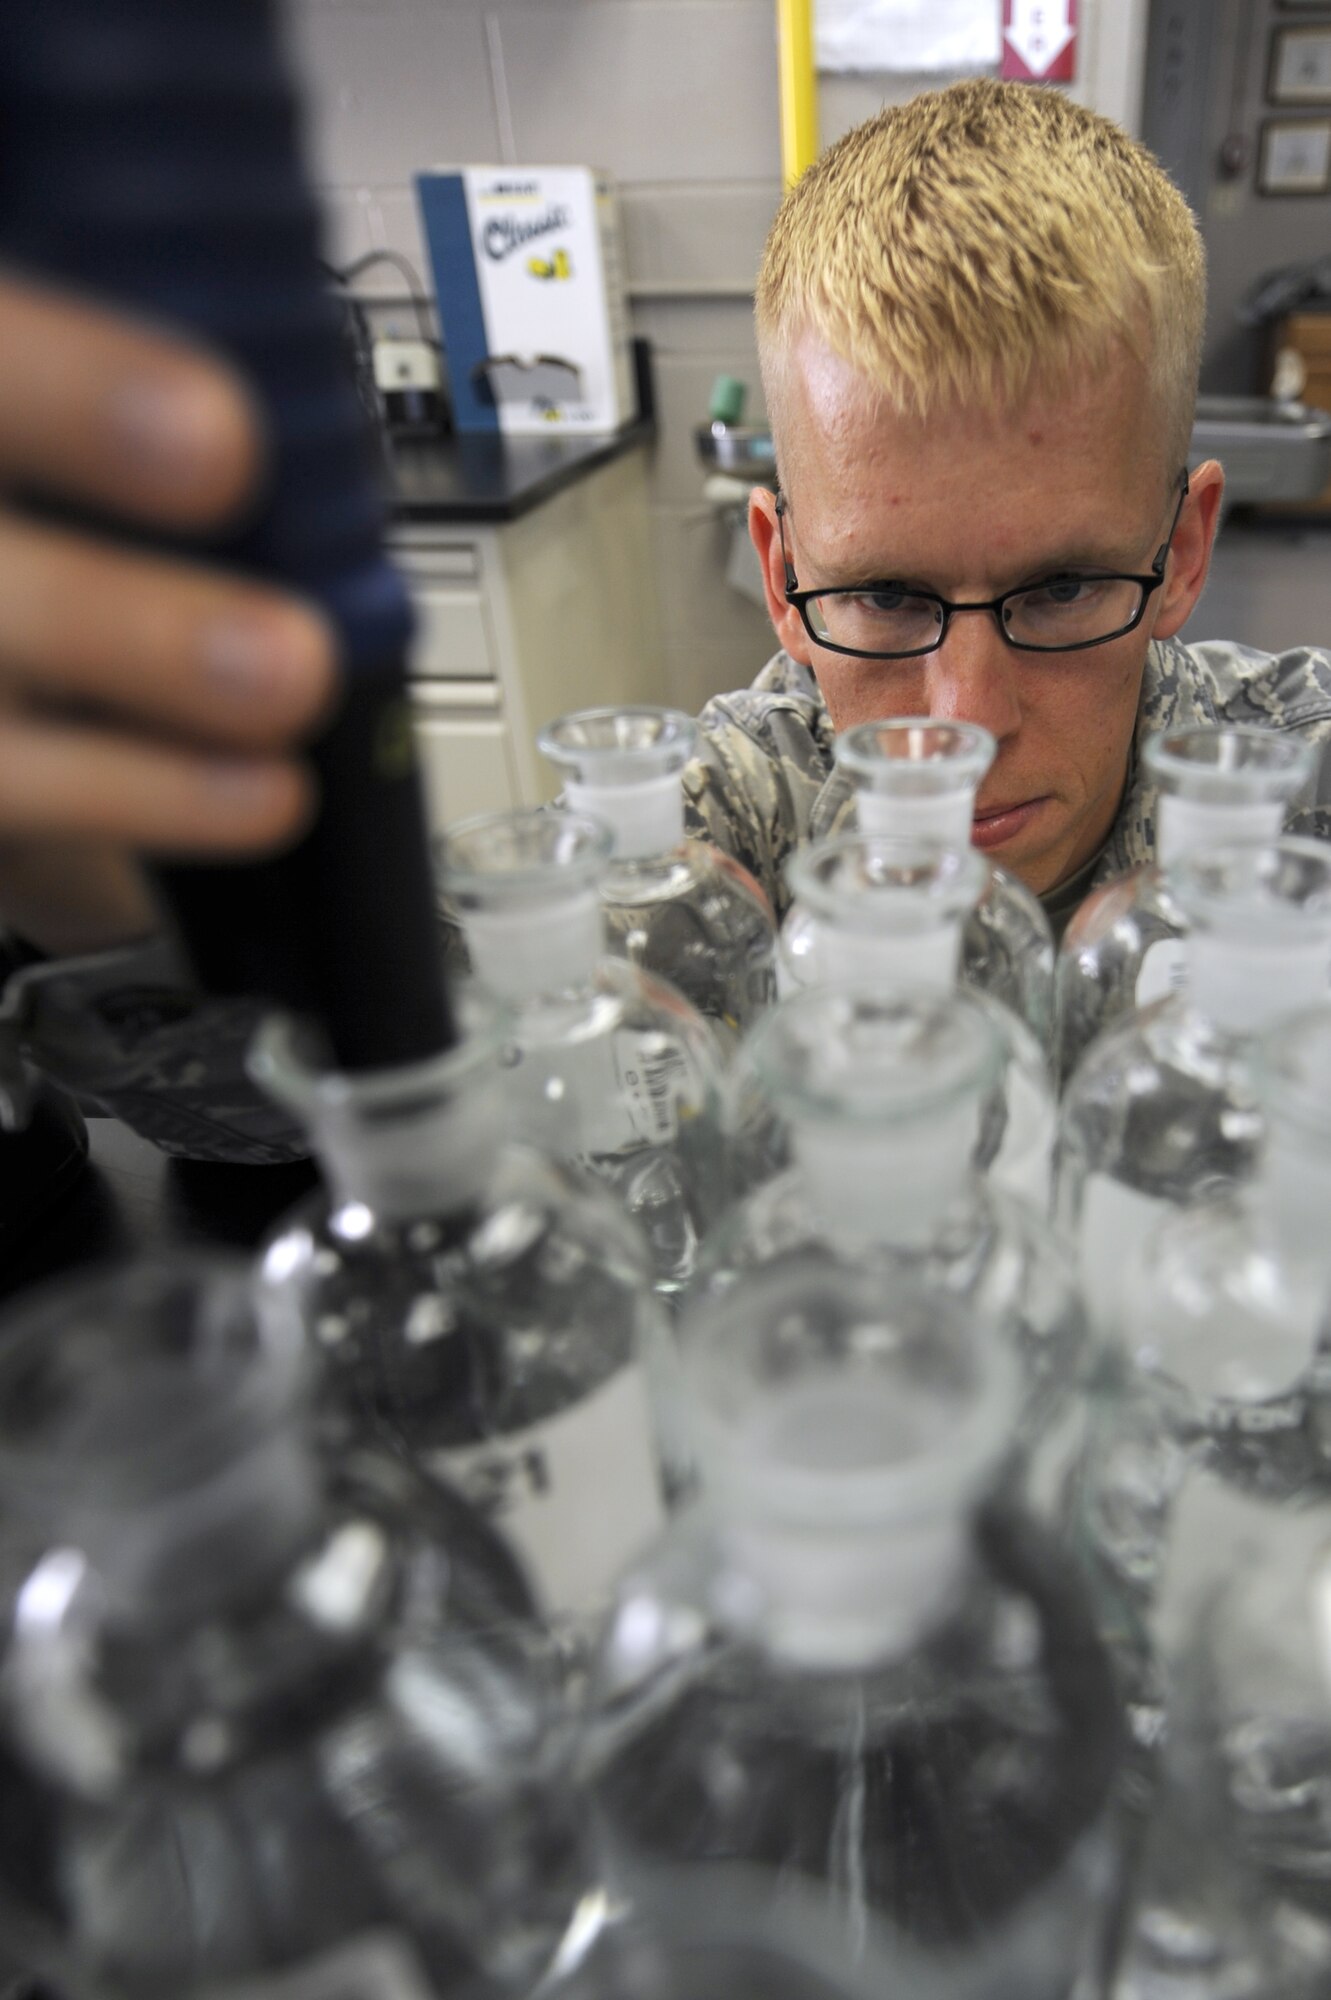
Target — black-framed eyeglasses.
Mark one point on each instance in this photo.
(1063, 613)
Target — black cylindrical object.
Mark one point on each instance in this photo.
(149, 156)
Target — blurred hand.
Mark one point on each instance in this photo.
(147, 704)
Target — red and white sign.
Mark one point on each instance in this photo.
(1040, 40)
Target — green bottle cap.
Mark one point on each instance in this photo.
(727, 404)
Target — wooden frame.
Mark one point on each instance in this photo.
(1283, 88)
(1275, 177)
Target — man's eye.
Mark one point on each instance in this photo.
(888, 598)
(1060, 590)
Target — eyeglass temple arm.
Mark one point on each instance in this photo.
(1162, 553)
(792, 582)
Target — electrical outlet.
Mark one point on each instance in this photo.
(404, 364)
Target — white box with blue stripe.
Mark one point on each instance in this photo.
(529, 276)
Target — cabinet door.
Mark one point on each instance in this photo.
(453, 639)
(464, 762)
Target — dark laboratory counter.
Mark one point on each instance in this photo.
(496, 478)
(132, 1198)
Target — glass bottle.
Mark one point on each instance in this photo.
(914, 779)
(1225, 1311)
(608, 1068)
(702, 1950)
(264, 1722)
(1124, 946)
(673, 905)
(881, 1101)
(891, 913)
(1161, 1113)
(1234, 1894)
(488, 1315)
(850, 1679)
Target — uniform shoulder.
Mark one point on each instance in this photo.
(129, 1031)
(1217, 681)
(764, 753)
(1214, 684)
(769, 744)
(784, 689)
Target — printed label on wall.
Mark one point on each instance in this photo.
(1039, 41)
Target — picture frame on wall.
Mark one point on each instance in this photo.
(1300, 71)
(1295, 156)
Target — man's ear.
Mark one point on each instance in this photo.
(765, 535)
(1190, 552)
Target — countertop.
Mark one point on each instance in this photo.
(492, 479)
(489, 479)
(132, 1198)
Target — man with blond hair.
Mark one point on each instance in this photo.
(979, 323)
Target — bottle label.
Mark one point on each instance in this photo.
(649, 1074)
(618, 1091)
(1163, 970)
(577, 1495)
(1115, 1224)
(1023, 1164)
(375, 1966)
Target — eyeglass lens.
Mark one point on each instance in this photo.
(1068, 611)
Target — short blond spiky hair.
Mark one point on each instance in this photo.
(978, 239)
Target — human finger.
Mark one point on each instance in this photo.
(67, 897)
(192, 650)
(82, 783)
(125, 418)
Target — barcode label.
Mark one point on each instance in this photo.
(649, 1078)
(608, 1094)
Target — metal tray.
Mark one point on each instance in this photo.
(1270, 450)
(744, 450)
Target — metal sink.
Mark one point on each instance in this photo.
(1270, 450)
(745, 451)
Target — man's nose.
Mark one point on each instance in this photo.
(973, 675)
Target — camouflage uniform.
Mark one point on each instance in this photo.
(764, 779)
(129, 1035)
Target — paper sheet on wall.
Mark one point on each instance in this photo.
(912, 37)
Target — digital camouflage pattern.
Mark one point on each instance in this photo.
(764, 779)
(126, 1031)
(130, 1035)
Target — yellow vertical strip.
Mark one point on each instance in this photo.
(799, 87)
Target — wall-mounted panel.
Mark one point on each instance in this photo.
(683, 388)
(653, 90)
(1252, 170)
(696, 239)
(730, 625)
(394, 85)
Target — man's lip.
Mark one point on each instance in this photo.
(1000, 823)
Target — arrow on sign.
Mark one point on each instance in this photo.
(1038, 38)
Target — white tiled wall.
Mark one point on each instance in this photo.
(678, 99)
(1269, 587)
